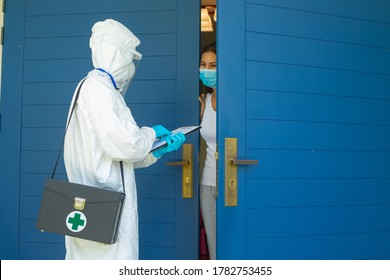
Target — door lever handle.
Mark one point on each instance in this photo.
(178, 163)
(244, 161)
(231, 170)
(187, 173)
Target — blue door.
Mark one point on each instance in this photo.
(304, 87)
(46, 53)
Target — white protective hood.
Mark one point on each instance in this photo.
(113, 48)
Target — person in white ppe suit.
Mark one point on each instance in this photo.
(103, 132)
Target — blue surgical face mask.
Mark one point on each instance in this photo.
(208, 77)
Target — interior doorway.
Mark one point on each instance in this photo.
(208, 35)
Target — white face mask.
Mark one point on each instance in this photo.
(208, 77)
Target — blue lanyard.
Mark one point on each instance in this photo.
(112, 79)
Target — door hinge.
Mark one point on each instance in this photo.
(3, 6)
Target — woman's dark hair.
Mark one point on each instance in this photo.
(211, 47)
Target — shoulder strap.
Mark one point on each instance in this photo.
(74, 105)
(66, 130)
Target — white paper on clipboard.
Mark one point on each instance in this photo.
(184, 129)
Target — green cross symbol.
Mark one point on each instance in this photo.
(76, 221)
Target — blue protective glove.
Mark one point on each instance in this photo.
(161, 131)
(174, 142)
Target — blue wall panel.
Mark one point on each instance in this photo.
(71, 25)
(164, 239)
(281, 106)
(315, 192)
(362, 9)
(30, 234)
(318, 136)
(311, 163)
(315, 52)
(362, 246)
(317, 25)
(48, 93)
(47, 251)
(303, 221)
(315, 80)
(317, 118)
(46, 7)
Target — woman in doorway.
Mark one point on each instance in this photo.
(208, 189)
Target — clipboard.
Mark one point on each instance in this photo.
(184, 129)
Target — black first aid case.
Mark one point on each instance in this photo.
(80, 211)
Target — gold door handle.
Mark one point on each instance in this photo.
(231, 164)
(178, 163)
(244, 162)
(187, 170)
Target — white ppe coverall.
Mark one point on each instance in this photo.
(103, 132)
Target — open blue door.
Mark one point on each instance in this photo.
(46, 53)
(304, 87)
